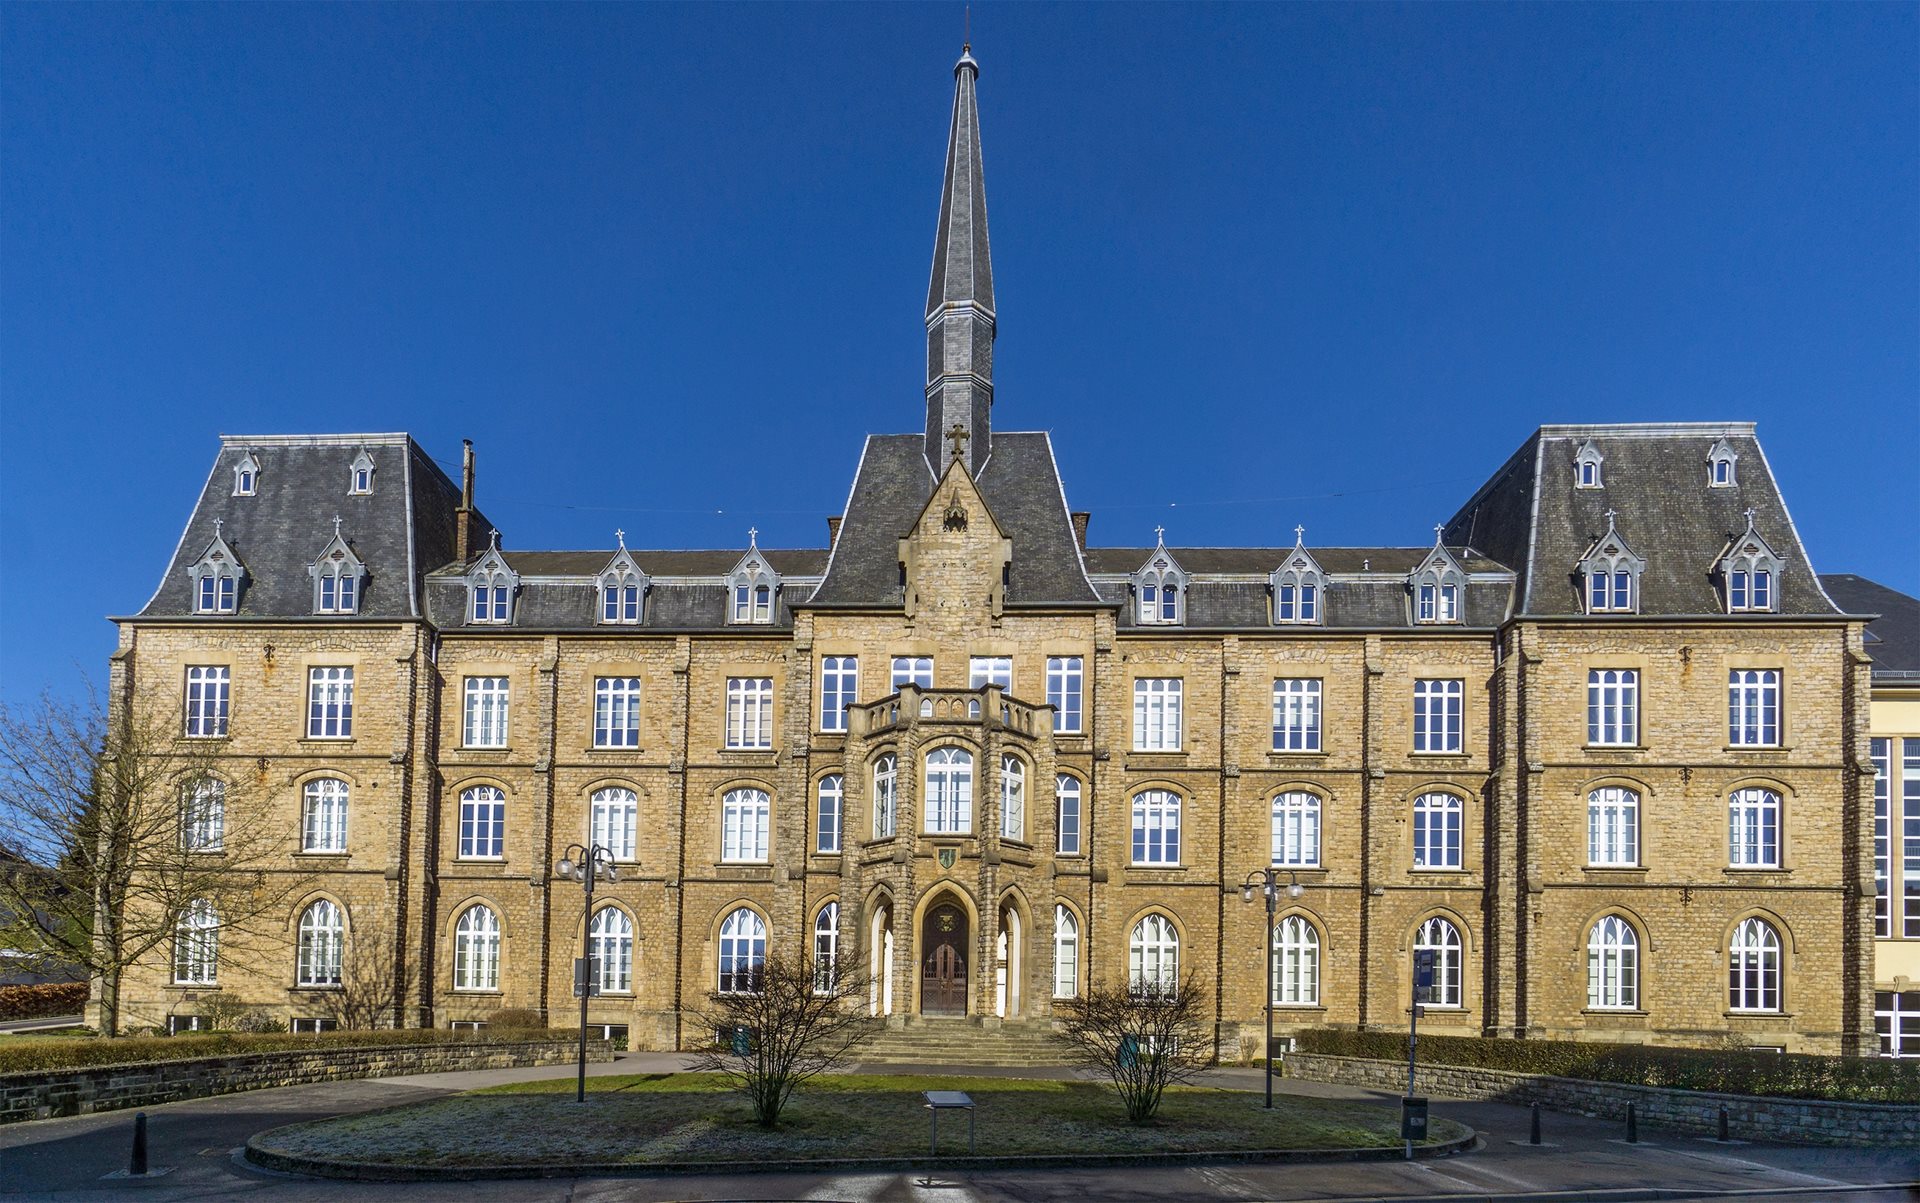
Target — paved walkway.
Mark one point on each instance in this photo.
(66, 1159)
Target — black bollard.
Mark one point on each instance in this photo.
(1723, 1123)
(1533, 1133)
(1633, 1126)
(137, 1167)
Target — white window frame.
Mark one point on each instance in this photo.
(839, 689)
(203, 815)
(746, 820)
(1066, 952)
(1156, 828)
(1754, 828)
(1157, 707)
(491, 598)
(321, 944)
(743, 950)
(360, 475)
(983, 671)
(1441, 936)
(1439, 832)
(196, 945)
(1153, 954)
(949, 793)
(209, 700)
(476, 949)
(886, 796)
(1066, 678)
(622, 598)
(483, 823)
(1013, 799)
(1753, 707)
(1896, 1020)
(246, 477)
(1613, 707)
(1754, 967)
(613, 821)
(1613, 827)
(826, 948)
(1296, 816)
(324, 811)
(1881, 753)
(1296, 963)
(616, 712)
(610, 940)
(912, 670)
(1613, 966)
(1439, 716)
(330, 701)
(1439, 600)
(1067, 795)
(830, 814)
(487, 705)
(749, 713)
(1296, 714)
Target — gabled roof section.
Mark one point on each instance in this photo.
(337, 548)
(622, 563)
(1609, 547)
(401, 530)
(1531, 515)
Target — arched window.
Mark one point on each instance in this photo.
(831, 794)
(1613, 827)
(483, 822)
(1296, 963)
(1753, 967)
(743, 949)
(196, 944)
(949, 791)
(1612, 574)
(753, 584)
(611, 938)
(1013, 798)
(623, 587)
(203, 815)
(336, 577)
(246, 476)
(1438, 586)
(323, 825)
(217, 577)
(1066, 953)
(826, 948)
(1153, 956)
(886, 795)
(1436, 831)
(1586, 466)
(476, 949)
(1750, 573)
(614, 821)
(323, 934)
(1297, 585)
(1156, 827)
(1753, 829)
(1443, 940)
(1159, 588)
(1720, 465)
(1296, 830)
(744, 818)
(1066, 818)
(1613, 965)
(360, 474)
(491, 583)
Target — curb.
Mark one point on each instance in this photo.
(357, 1171)
(1631, 1194)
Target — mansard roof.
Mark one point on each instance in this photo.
(1893, 637)
(1531, 516)
(1021, 484)
(402, 529)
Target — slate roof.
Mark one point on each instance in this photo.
(559, 589)
(1021, 484)
(1531, 516)
(402, 529)
(1893, 638)
(962, 264)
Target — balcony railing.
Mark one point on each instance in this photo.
(960, 707)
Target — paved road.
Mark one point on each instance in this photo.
(66, 1159)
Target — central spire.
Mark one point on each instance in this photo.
(960, 295)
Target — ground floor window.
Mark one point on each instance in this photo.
(316, 1024)
(1896, 1017)
(467, 1025)
(613, 1033)
(188, 1023)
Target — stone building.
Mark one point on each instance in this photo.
(1600, 744)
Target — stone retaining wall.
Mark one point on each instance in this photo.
(1749, 1117)
(39, 1094)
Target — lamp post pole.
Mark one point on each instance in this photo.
(1267, 881)
(584, 864)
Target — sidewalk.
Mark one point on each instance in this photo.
(65, 1159)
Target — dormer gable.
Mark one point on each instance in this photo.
(246, 476)
(955, 559)
(1749, 572)
(492, 587)
(1299, 585)
(1160, 586)
(1609, 573)
(1587, 463)
(623, 587)
(360, 474)
(753, 587)
(218, 576)
(1438, 586)
(339, 576)
(1721, 465)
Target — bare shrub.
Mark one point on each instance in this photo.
(1142, 1038)
(790, 1021)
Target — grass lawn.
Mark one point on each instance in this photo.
(645, 1118)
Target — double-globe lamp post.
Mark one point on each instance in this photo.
(585, 864)
(1267, 882)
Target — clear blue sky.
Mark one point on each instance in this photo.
(1256, 265)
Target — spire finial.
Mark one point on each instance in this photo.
(753, 538)
(1750, 513)
(966, 29)
(217, 524)
(1611, 515)
(1438, 529)
(493, 536)
(336, 526)
(1299, 536)
(621, 537)
(1159, 534)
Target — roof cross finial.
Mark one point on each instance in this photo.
(217, 524)
(1438, 529)
(621, 537)
(1299, 535)
(336, 526)
(753, 536)
(1750, 513)
(957, 434)
(493, 534)
(1611, 515)
(1159, 534)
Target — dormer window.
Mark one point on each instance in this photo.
(1438, 585)
(1160, 587)
(337, 577)
(217, 577)
(623, 588)
(1750, 573)
(246, 476)
(360, 475)
(1299, 586)
(1586, 466)
(491, 586)
(1612, 574)
(752, 585)
(1720, 465)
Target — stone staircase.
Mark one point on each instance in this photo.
(923, 1041)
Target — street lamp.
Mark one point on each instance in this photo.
(1267, 882)
(585, 864)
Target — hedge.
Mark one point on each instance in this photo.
(42, 1001)
(28, 1055)
(1724, 1071)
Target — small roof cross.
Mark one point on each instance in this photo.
(753, 535)
(1750, 513)
(336, 526)
(957, 434)
(1438, 529)
(1160, 534)
(620, 535)
(217, 524)
(1299, 534)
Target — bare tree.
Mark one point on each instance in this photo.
(1142, 1038)
(130, 834)
(372, 991)
(786, 1021)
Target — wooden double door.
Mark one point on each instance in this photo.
(943, 961)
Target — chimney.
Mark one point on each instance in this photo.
(833, 528)
(463, 516)
(1080, 520)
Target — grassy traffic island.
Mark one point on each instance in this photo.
(691, 1122)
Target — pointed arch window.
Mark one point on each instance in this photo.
(1013, 798)
(491, 586)
(324, 825)
(1753, 967)
(1298, 585)
(614, 821)
(196, 945)
(323, 935)
(886, 795)
(1296, 830)
(753, 586)
(611, 940)
(949, 797)
(1160, 587)
(1296, 963)
(1066, 953)
(1613, 966)
(337, 577)
(1612, 574)
(1156, 827)
(826, 949)
(623, 588)
(203, 815)
(1586, 466)
(217, 577)
(1441, 938)
(1438, 586)
(745, 816)
(1721, 460)
(476, 949)
(246, 476)
(360, 475)
(1153, 956)
(1750, 574)
(1066, 817)
(743, 950)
